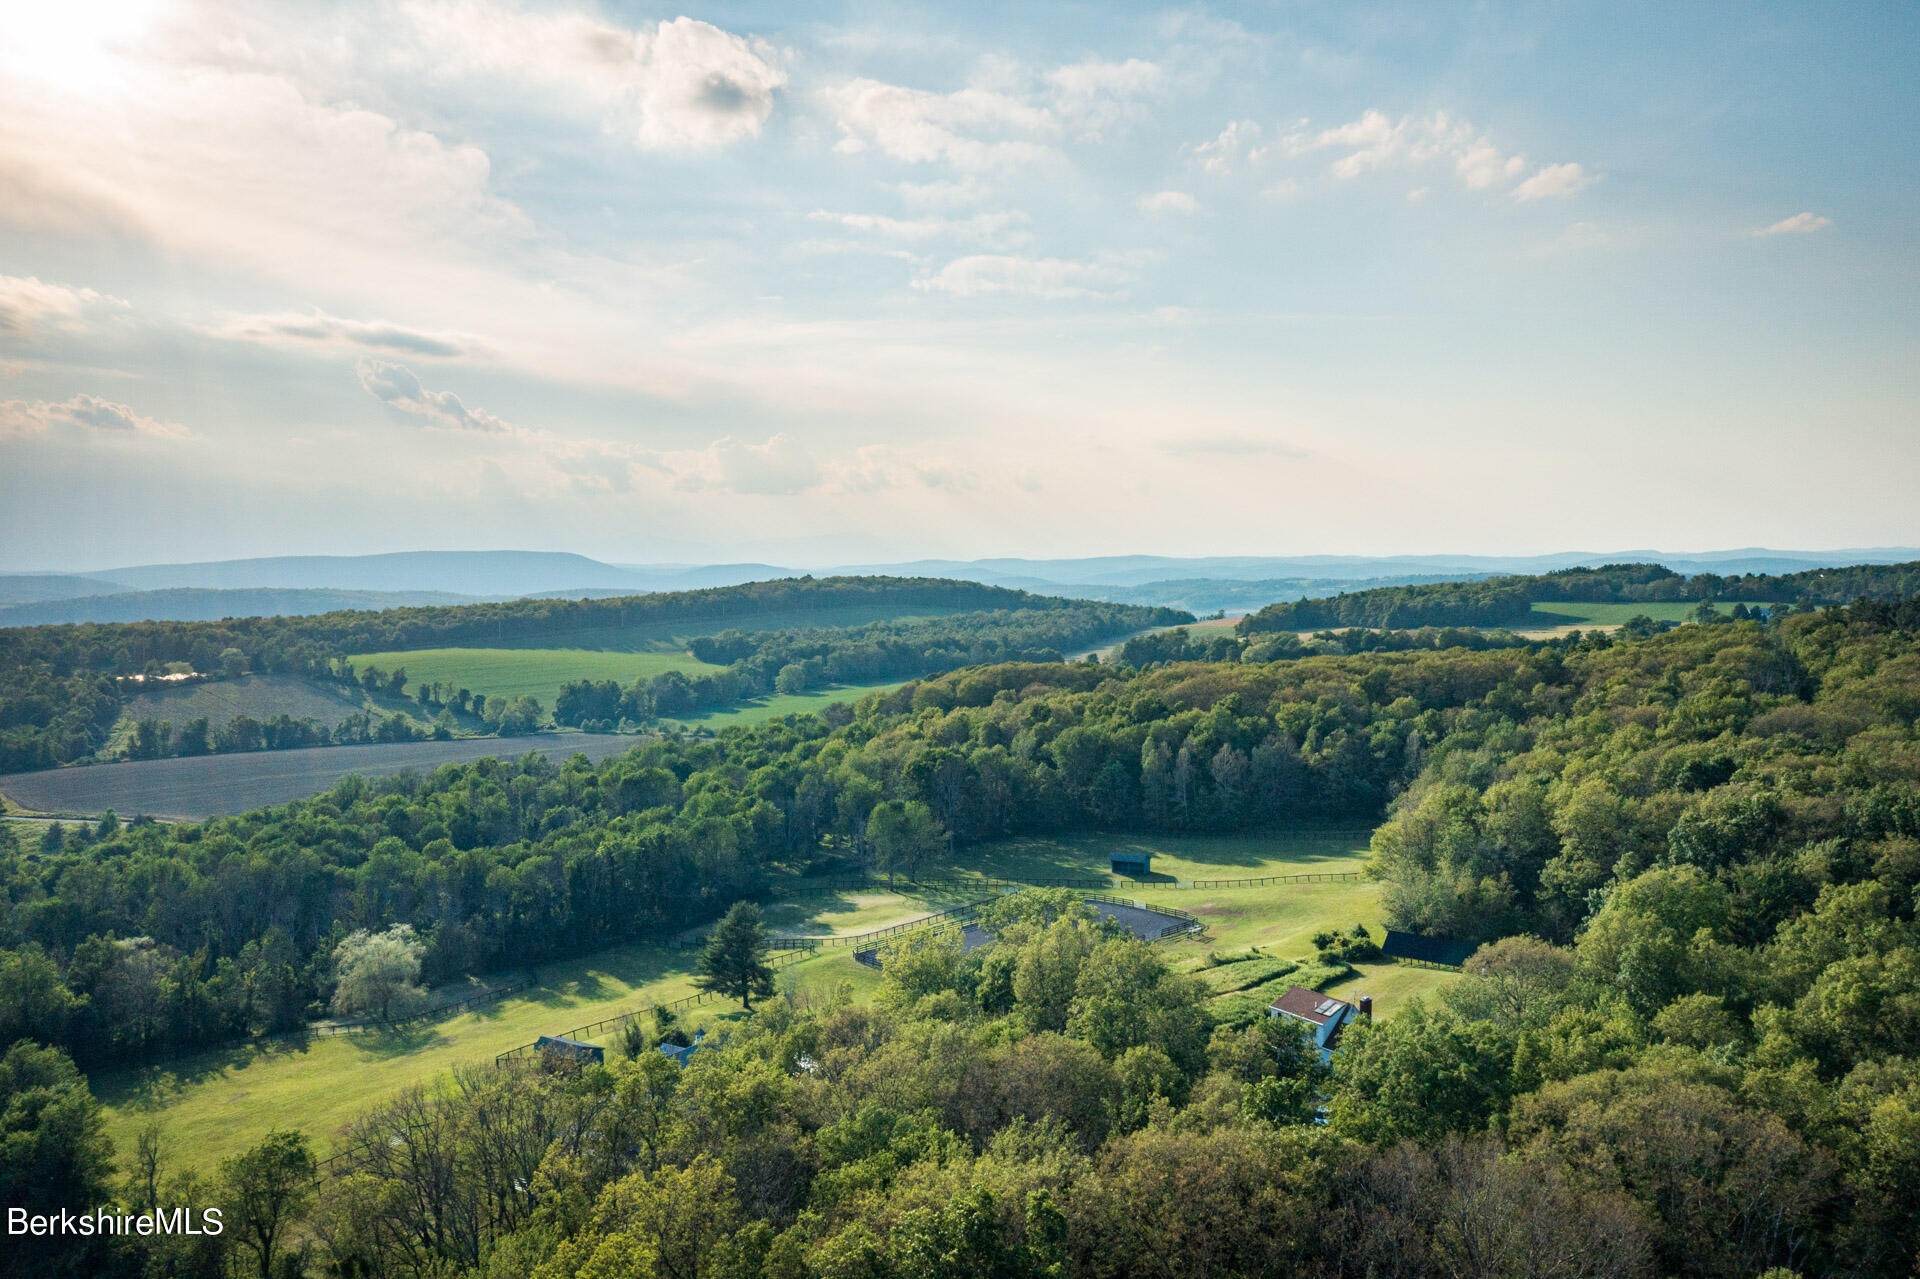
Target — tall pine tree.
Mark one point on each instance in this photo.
(734, 964)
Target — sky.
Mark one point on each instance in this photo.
(855, 282)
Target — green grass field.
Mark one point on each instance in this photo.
(762, 709)
(839, 914)
(1609, 615)
(217, 1103)
(1176, 857)
(515, 672)
(263, 697)
(672, 636)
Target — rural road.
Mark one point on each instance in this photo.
(223, 785)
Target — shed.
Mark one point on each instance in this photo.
(573, 1052)
(1134, 865)
(1443, 951)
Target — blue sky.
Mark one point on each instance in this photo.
(863, 281)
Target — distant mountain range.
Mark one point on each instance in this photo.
(298, 584)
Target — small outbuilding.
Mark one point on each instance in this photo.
(1134, 865)
(678, 1054)
(559, 1050)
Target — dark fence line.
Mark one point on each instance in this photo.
(528, 1050)
(844, 883)
(856, 939)
(1317, 877)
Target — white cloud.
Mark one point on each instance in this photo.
(970, 129)
(1225, 153)
(985, 274)
(328, 191)
(981, 227)
(395, 386)
(83, 413)
(1379, 142)
(942, 194)
(28, 304)
(685, 84)
(781, 467)
(1094, 78)
(1798, 224)
(1168, 202)
(1554, 181)
(321, 329)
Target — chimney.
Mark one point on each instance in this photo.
(1366, 1007)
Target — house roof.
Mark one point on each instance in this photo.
(1311, 1006)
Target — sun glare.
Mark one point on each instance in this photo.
(82, 47)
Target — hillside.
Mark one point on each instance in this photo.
(1509, 601)
(192, 604)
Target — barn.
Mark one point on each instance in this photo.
(559, 1050)
(1134, 865)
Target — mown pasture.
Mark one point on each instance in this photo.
(774, 705)
(525, 672)
(1564, 615)
(215, 1103)
(223, 785)
(672, 637)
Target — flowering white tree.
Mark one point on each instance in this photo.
(378, 973)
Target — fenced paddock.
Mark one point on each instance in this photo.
(1149, 923)
(529, 1052)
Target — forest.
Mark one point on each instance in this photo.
(1684, 1049)
(1508, 601)
(60, 698)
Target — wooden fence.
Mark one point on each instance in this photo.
(1319, 877)
(530, 1050)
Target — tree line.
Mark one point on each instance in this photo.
(1519, 784)
(1508, 601)
(1060, 1105)
(60, 700)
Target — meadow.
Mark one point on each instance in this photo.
(761, 709)
(531, 672)
(262, 697)
(216, 1103)
(222, 785)
(672, 637)
(1563, 615)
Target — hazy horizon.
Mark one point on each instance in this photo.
(874, 284)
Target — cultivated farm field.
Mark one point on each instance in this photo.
(223, 785)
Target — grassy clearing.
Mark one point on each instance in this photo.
(263, 697)
(671, 637)
(1611, 615)
(1175, 857)
(217, 1103)
(762, 709)
(841, 914)
(533, 672)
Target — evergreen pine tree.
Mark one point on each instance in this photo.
(734, 963)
